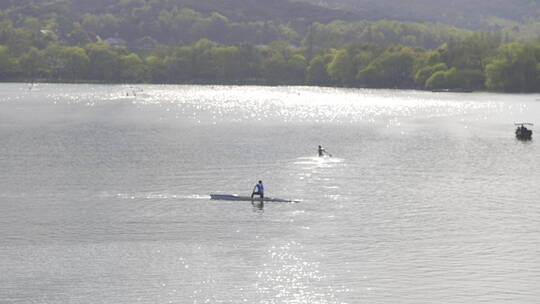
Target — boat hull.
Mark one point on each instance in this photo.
(524, 134)
(234, 197)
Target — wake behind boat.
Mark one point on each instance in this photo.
(234, 197)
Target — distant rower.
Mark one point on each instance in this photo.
(259, 190)
(322, 152)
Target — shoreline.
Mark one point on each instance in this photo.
(257, 84)
(250, 83)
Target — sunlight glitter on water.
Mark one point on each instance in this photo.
(290, 278)
(104, 196)
(218, 104)
(304, 104)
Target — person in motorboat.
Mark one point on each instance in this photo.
(323, 152)
(522, 132)
(519, 129)
(258, 190)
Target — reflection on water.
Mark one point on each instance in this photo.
(428, 198)
(318, 162)
(258, 206)
(288, 277)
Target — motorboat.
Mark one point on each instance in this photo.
(522, 133)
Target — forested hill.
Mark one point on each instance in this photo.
(137, 23)
(471, 14)
(235, 10)
(270, 42)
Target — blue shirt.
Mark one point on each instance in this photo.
(260, 188)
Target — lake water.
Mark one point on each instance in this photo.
(428, 197)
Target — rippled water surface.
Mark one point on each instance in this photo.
(428, 197)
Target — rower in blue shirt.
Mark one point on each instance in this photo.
(258, 189)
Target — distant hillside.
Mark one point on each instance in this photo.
(471, 14)
(146, 23)
(272, 42)
(237, 10)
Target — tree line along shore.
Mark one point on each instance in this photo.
(480, 62)
(134, 41)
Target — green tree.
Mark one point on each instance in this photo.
(471, 52)
(181, 65)
(228, 63)
(205, 66)
(8, 65)
(104, 62)
(132, 68)
(157, 70)
(297, 65)
(251, 62)
(218, 27)
(456, 79)
(514, 69)
(392, 69)
(317, 71)
(423, 74)
(341, 69)
(274, 68)
(17, 40)
(33, 64)
(67, 63)
(79, 36)
(362, 58)
(439, 80)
